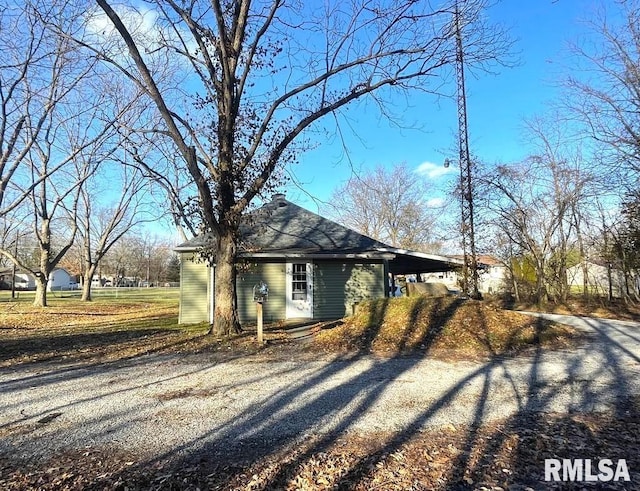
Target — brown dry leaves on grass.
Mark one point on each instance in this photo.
(75, 332)
(106, 331)
(592, 307)
(69, 315)
(442, 327)
(508, 454)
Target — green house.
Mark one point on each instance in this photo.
(314, 268)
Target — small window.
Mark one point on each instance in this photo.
(299, 282)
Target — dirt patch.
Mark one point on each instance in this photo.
(186, 393)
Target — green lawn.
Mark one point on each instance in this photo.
(155, 295)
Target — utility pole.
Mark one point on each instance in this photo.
(470, 263)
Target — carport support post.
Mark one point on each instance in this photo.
(386, 274)
(259, 317)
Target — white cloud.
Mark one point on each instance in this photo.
(150, 34)
(142, 23)
(435, 203)
(435, 171)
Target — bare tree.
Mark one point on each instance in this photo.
(54, 200)
(101, 224)
(604, 89)
(534, 205)
(62, 124)
(38, 72)
(139, 259)
(267, 72)
(390, 206)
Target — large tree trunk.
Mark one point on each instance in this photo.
(40, 299)
(225, 318)
(90, 271)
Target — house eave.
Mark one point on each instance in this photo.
(316, 255)
(410, 262)
(373, 255)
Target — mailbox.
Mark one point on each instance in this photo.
(260, 292)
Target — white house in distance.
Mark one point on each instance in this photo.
(23, 280)
(491, 275)
(60, 279)
(600, 278)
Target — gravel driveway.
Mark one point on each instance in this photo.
(169, 406)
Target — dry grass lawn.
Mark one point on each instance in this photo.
(442, 327)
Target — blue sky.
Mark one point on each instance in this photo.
(497, 104)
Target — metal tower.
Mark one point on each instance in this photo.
(470, 267)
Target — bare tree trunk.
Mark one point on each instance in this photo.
(86, 246)
(516, 291)
(225, 319)
(585, 280)
(42, 276)
(541, 284)
(584, 265)
(40, 299)
(87, 279)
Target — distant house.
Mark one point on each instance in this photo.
(600, 277)
(23, 280)
(102, 281)
(60, 279)
(448, 278)
(492, 275)
(314, 268)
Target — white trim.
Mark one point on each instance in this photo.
(302, 309)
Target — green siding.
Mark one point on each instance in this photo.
(194, 290)
(339, 285)
(273, 274)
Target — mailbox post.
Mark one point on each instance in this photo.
(260, 294)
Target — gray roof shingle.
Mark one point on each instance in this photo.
(282, 226)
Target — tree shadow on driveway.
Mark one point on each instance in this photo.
(504, 411)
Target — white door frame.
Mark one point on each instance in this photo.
(299, 308)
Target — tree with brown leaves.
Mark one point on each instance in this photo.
(259, 75)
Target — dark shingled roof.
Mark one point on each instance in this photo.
(284, 227)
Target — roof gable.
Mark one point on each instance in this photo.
(281, 226)
(284, 226)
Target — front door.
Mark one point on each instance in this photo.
(299, 290)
